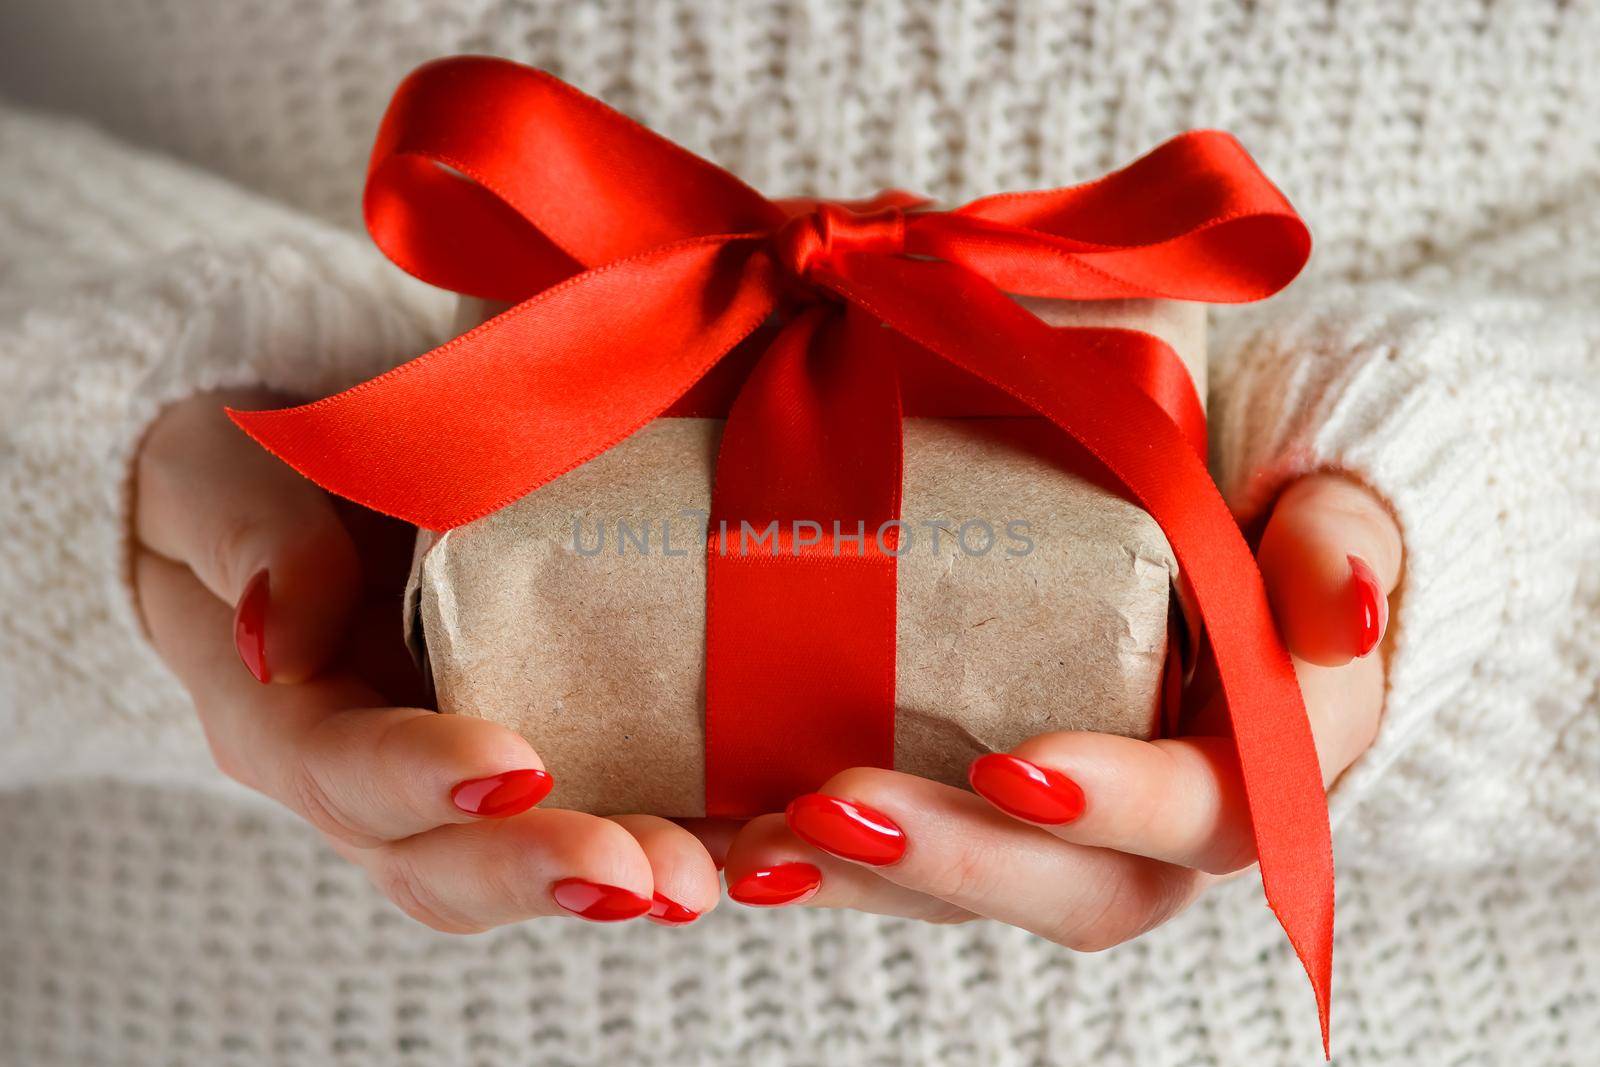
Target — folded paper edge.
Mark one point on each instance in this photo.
(416, 636)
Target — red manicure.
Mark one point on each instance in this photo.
(598, 903)
(787, 883)
(1026, 790)
(500, 795)
(669, 912)
(250, 627)
(845, 828)
(1371, 606)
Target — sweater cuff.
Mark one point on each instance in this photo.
(301, 315)
(145, 283)
(1413, 399)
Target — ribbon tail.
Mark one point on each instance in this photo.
(478, 422)
(976, 327)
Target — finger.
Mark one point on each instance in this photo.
(1178, 800)
(685, 879)
(466, 879)
(715, 835)
(256, 534)
(1330, 556)
(768, 866)
(1344, 706)
(947, 843)
(360, 773)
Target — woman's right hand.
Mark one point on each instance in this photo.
(437, 809)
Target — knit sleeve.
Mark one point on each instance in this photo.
(128, 282)
(1476, 417)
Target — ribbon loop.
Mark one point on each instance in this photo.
(637, 268)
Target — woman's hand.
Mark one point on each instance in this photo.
(1091, 839)
(437, 809)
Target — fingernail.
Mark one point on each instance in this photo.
(669, 912)
(770, 887)
(1026, 790)
(847, 829)
(1371, 606)
(598, 902)
(250, 627)
(500, 795)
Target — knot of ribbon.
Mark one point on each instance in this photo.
(647, 281)
(819, 231)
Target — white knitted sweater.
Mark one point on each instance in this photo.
(1444, 347)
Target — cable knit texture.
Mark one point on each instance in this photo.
(1444, 348)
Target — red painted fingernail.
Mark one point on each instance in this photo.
(250, 627)
(1026, 790)
(500, 795)
(669, 912)
(1371, 606)
(769, 887)
(847, 829)
(597, 902)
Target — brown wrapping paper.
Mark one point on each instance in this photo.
(598, 657)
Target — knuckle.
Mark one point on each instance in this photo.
(966, 874)
(949, 915)
(1205, 815)
(309, 797)
(225, 553)
(1144, 821)
(1096, 940)
(1095, 924)
(1123, 908)
(398, 879)
(393, 751)
(1232, 847)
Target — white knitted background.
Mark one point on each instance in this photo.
(1445, 348)
(1403, 130)
(159, 930)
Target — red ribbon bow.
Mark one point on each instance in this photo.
(636, 267)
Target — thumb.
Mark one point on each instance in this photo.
(1330, 557)
(256, 534)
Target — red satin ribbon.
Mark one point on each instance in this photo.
(636, 267)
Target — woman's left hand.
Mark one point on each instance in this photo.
(1092, 839)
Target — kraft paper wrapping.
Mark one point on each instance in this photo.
(598, 659)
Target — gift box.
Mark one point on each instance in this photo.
(872, 360)
(1029, 599)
